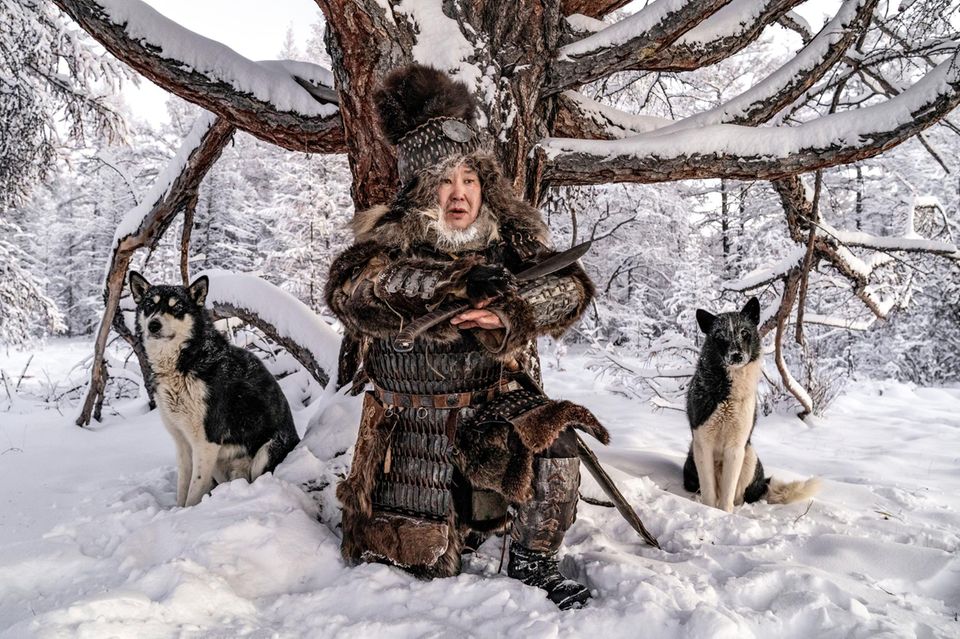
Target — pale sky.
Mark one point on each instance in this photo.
(257, 29)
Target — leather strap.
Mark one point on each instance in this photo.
(445, 400)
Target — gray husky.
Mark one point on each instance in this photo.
(722, 410)
(225, 411)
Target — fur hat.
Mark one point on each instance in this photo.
(427, 115)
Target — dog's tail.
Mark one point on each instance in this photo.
(787, 492)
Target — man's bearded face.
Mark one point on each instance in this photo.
(460, 197)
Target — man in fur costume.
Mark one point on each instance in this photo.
(456, 440)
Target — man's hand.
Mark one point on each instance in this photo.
(477, 318)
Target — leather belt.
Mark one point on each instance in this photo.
(444, 400)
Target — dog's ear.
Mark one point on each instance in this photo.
(752, 310)
(198, 290)
(705, 319)
(138, 286)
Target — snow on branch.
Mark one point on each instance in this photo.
(627, 43)
(911, 243)
(720, 36)
(862, 269)
(763, 100)
(578, 26)
(827, 247)
(580, 117)
(288, 104)
(136, 219)
(768, 274)
(751, 153)
(284, 318)
(899, 244)
(796, 23)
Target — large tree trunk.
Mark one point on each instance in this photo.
(513, 48)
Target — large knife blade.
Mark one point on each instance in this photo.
(403, 343)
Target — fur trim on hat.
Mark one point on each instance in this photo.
(414, 94)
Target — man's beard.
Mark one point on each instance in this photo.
(451, 239)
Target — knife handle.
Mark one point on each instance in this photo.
(403, 342)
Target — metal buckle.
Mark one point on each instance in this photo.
(422, 412)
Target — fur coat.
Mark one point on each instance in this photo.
(498, 457)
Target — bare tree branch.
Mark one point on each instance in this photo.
(320, 131)
(189, 212)
(783, 315)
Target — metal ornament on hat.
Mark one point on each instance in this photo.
(432, 142)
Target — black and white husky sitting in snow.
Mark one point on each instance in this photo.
(225, 411)
(722, 410)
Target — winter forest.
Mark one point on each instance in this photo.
(806, 152)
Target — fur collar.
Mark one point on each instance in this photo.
(407, 220)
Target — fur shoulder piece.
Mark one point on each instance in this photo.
(364, 222)
(414, 94)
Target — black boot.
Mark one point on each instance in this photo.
(541, 570)
(538, 529)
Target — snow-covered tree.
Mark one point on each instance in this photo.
(529, 67)
(54, 80)
(25, 310)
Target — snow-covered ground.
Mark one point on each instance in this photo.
(92, 546)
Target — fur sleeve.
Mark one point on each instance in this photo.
(558, 300)
(368, 292)
(349, 290)
(416, 286)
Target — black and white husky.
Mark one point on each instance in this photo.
(225, 411)
(722, 410)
